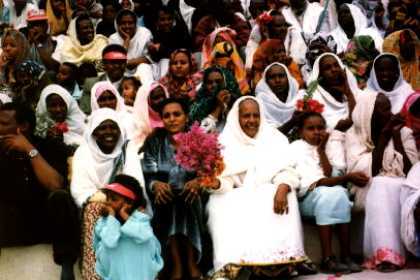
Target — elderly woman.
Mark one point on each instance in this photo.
(278, 92)
(253, 212)
(379, 145)
(81, 45)
(104, 154)
(334, 86)
(215, 98)
(386, 77)
(60, 110)
(406, 46)
(178, 211)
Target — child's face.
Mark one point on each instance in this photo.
(107, 100)
(56, 108)
(313, 128)
(116, 201)
(64, 73)
(129, 92)
(156, 96)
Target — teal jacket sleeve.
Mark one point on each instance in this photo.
(107, 232)
(138, 227)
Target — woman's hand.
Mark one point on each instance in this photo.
(358, 178)
(107, 210)
(163, 192)
(280, 199)
(223, 98)
(324, 140)
(192, 190)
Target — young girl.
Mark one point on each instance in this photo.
(124, 242)
(128, 89)
(320, 163)
(67, 77)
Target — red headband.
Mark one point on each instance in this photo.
(122, 190)
(115, 56)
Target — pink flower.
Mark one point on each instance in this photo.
(62, 127)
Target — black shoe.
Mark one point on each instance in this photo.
(67, 272)
(307, 268)
(330, 265)
(354, 267)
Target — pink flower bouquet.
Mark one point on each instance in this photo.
(199, 152)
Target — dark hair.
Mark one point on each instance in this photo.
(113, 3)
(306, 115)
(133, 185)
(114, 48)
(74, 70)
(79, 19)
(181, 101)
(23, 114)
(125, 12)
(136, 82)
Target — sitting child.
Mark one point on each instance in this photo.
(124, 243)
(320, 163)
(67, 77)
(128, 90)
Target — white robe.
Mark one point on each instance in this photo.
(244, 228)
(309, 20)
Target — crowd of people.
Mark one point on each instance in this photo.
(317, 108)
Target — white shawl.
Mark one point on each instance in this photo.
(125, 115)
(138, 44)
(360, 23)
(308, 162)
(359, 147)
(186, 12)
(310, 17)
(399, 94)
(408, 224)
(4, 98)
(264, 158)
(75, 117)
(334, 111)
(276, 112)
(92, 168)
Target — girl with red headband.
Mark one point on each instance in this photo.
(124, 242)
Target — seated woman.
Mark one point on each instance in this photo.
(214, 99)
(405, 45)
(104, 154)
(321, 165)
(253, 212)
(105, 95)
(352, 22)
(386, 77)
(181, 79)
(146, 110)
(15, 48)
(59, 14)
(278, 92)
(379, 145)
(270, 51)
(411, 114)
(134, 38)
(359, 57)
(59, 117)
(81, 45)
(334, 86)
(177, 205)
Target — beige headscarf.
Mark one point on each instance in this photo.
(58, 25)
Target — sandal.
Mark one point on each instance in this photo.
(330, 265)
(306, 268)
(354, 267)
(387, 267)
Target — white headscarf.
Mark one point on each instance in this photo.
(75, 117)
(98, 89)
(360, 23)
(334, 111)
(399, 94)
(261, 157)
(4, 98)
(276, 111)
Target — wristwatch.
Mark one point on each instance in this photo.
(33, 153)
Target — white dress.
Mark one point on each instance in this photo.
(245, 229)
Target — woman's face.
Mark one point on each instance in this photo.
(107, 100)
(278, 28)
(10, 48)
(276, 78)
(156, 96)
(109, 13)
(214, 80)
(126, 4)
(58, 6)
(165, 22)
(180, 65)
(174, 118)
(330, 71)
(387, 72)
(127, 25)
(107, 135)
(56, 108)
(313, 128)
(249, 117)
(85, 32)
(345, 19)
